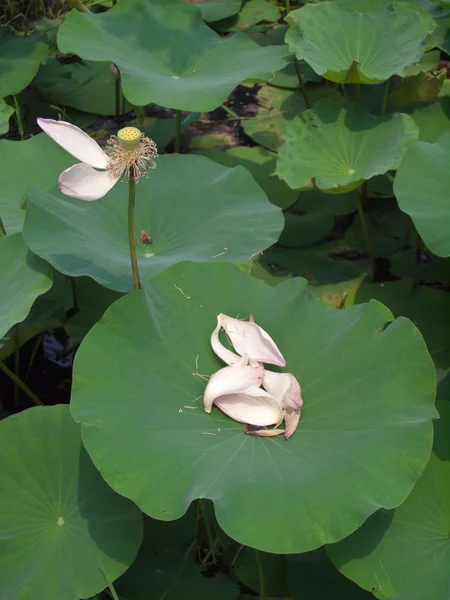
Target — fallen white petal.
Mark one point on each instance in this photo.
(85, 183)
(249, 338)
(226, 355)
(231, 380)
(75, 141)
(257, 407)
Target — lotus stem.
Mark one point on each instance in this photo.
(288, 6)
(19, 118)
(16, 337)
(362, 218)
(262, 582)
(73, 286)
(178, 132)
(301, 86)
(132, 241)
(140, 116)
(418, 247)
(385, 98)
(20, 384)
(78, 4)
(117, 90)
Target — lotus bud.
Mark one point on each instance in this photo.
(236, 391)
(286, 389)
(247, 338)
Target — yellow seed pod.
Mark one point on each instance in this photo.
(129, 137)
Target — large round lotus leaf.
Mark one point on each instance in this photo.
(5, 113)
(166, 54)
(359, 42)
(87, 86)
(367, 391)
(63, 530)
(261, 164)
(192, 208)
(37, 161)
(166, 565)
(340, 145)
(23, 277)
(403, 554)
(422, 188)
(20, 58)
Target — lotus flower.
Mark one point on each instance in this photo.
(247, 338)
(129, 155)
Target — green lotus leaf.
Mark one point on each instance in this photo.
(194, 70)
(388, 227)
(191, 207)
(402, 554)
(422, 88)
(427, 268)
(322, 264)
(421, 304)
(214, 10)
(368, 390)
(312, 576)
(276, 108)
(287, 77)
(432, 120)
(166, 566)
(303, 229)
(359, 42)
(421, 187)
(315, 202)
(339, 145)
(252, 13)
(87, 86)
(92, 301)
(37, 161)
(261, 164)
(63, 531)
(23, 277)
(20, 58)
(5, 113)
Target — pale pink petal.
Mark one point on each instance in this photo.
(286, 389)
(85, 183)
(257, 407)
(249, 338)
(231, 380)
(75, 142)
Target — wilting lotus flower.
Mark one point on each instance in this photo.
(129, 155)
(247, 338)
(235, 390)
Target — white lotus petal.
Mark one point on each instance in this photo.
(226, 355)
(254, 408)
(75, 141)
(83, 182)
(249, 338)
(232, 380)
